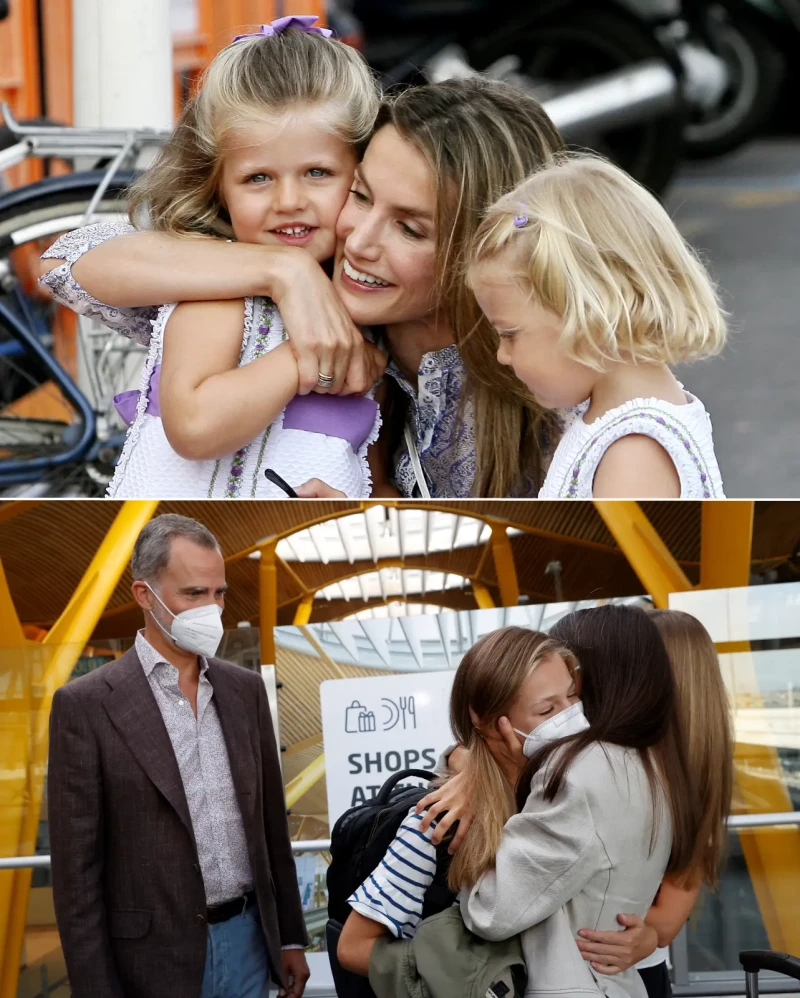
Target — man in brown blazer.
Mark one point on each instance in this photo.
(173, 874)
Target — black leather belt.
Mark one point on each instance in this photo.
(222, 912)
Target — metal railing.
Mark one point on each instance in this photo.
(735, 821)
(685, 985)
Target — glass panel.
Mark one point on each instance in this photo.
(757, 905)
(727, 920)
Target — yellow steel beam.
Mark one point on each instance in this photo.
(267, 601)
(63, 646)
(726, 541)
(302, 614)
(305, 780)
(647, 554)
(286, 567)
(772, 854)
(15, 682)
(11, 632)
(504, 566)
(482, 596)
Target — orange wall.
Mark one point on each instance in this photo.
(219, 21)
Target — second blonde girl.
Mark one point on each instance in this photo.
(594, 294)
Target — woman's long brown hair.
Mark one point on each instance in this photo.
(704, 709)
(630, 699)
(488, 680)
(481, 138)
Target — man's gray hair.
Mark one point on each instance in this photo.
(153, 545)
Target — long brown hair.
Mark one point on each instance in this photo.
(630, 699)
(488, 680)
(481, 138)
(704, 709)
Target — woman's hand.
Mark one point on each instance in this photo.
(454, 798)
(612, 952)
(366, 372)
(506, 749)
(316, 489)
(323, 336)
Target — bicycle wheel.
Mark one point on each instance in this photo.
(59, 434)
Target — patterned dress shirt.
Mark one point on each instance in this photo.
(202, 757)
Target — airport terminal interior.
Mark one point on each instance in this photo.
(355, 613)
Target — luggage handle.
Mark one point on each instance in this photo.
(754, 960)
(389, 785)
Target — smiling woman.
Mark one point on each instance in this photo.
(438, 157)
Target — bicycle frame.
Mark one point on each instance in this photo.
(123, 148)
(67, 142)
(16, 472)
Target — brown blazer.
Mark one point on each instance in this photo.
(127, 886)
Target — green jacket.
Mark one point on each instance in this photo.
(445, 960)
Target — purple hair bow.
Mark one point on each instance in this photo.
(303, 22)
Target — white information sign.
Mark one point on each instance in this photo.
(374, 727)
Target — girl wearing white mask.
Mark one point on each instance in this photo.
(595, 830)
(537, 688)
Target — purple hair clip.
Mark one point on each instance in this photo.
(303, 22)
(520, 221)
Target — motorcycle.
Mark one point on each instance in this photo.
(757, 39)
(610, 74)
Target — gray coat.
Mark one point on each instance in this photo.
(575, 863)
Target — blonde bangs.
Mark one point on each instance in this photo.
(479, 685)
(602, 253)
(252, 80)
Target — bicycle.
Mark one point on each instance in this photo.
(59, 431)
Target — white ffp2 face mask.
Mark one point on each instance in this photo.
(566, 722)
(198, 630)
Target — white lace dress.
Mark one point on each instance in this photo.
(684, 431)
(150, 468)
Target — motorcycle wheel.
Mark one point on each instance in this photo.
(756, 69)
(589, 43)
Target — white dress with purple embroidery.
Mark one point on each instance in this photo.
(316, 436)
(684, 431)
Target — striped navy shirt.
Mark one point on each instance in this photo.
(393, 893)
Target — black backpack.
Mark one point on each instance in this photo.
(359, 841)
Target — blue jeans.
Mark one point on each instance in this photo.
(237, 965)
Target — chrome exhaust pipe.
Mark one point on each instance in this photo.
(627, 97)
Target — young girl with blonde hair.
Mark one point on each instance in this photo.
(594, 293)
(264, 153)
